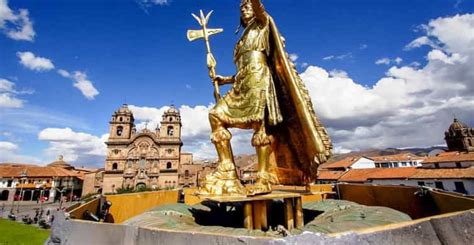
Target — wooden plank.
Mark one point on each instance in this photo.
(248, 215)
(257, 215)
(299, 222)
(289, 220)
(230, 199)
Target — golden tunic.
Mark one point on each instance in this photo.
(252, 95)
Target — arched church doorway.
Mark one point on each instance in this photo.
(140, 187)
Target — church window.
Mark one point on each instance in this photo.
(142, 163)
(171, 119)
(119, 130)
(130, 163)
(168, 165)
(114, 166)
(169, 151)
(170, 131)
(120, 119)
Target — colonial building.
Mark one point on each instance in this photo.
(29, 182)
(145, 159)
(451, 171)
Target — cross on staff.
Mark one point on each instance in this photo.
(205, 33)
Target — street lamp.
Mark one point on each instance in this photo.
(24, 178)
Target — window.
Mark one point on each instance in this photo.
(436, 165)
(9, 183)
(404, 164)
(130, 164)
(171, 119)
(395, 164)
(169, 165)
(170, 131)
(120, 119)
(384, 165)
(142, 163)
(458, 165)
(460, 187)
(439, 185)
(186, 173)
(119, 131)
(421, 183)
(114, 166)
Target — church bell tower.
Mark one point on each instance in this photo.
(121, 124)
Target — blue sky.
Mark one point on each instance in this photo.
(136, 52)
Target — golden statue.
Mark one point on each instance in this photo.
(268, 96)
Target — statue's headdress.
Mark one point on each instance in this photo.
(243, 2)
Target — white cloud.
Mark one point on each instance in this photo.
(82, 83)
(9, 101)
(6, 86)
(149, 3)
(412, 105)
(64, 73)
(339, 57)
(8, 95)
(9, 153)
(76, 147)
(338, 73)
(16, 25)
(36, 63)
(294, 57)
(388, 61)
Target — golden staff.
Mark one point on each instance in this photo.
(205, 33)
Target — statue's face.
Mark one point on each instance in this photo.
(246, 12)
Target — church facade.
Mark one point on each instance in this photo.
(144, 159)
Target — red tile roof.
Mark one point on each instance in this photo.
(358, 175)
(37, 171)
(397, 157)
(362, 175)
(454, 156)
(329, 175)
(344, 163)
(444, 173)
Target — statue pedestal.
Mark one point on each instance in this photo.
(255, 208)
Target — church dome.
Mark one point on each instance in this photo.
(457, 125)
(60, 163)
(172, 110)
(124, 109)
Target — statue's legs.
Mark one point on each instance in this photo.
(224, 179)
(261, 141)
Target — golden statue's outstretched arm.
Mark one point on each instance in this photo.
(259, 11)
(222, 80)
